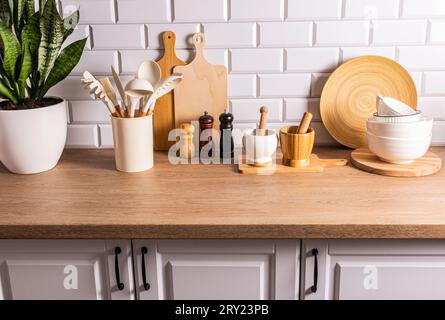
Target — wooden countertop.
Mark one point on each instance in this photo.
(84, 197)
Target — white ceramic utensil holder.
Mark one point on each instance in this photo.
(133, 143)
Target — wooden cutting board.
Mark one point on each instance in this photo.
(164, 115)
(203, 87)
(365, 160)
(316, 165)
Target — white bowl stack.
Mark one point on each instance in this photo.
(397, 133)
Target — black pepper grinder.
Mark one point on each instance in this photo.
(205, 122)
(226, 145)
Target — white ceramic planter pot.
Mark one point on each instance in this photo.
(133, 143)
(32, 141)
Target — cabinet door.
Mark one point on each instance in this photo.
(217, 269)
(64, 269)
(375, 269)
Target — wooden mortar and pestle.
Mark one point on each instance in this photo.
(297, 142)
(260, 144)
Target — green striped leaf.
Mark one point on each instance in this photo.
(31, 33)
(11, 9)
(41, 5)
(51, 28)
(5, 13)
(6, 93)
(11, 51)
(69, 23)
(18, 10)
(30, 8)
(26, 68)
(65, 63)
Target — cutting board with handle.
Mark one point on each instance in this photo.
(203, 87)
(316, 165)
(164, 115)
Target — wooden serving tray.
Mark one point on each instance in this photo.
(365, 160)
(316, 165)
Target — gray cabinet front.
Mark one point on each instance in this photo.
(65, 269)
(222, 269)
(374, 269)
(217, 269)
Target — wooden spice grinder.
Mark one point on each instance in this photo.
(187, 149)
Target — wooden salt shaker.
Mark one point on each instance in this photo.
(187, 149)
(205, 122)
(226, 141)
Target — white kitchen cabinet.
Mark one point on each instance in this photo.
(65, 269)
(373, 269)
(217, 269)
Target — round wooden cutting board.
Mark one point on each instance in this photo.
(365, 160)
(349, 96)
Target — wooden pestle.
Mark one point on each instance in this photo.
(263, 119)
(304, 124)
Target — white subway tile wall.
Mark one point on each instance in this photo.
(279, 53)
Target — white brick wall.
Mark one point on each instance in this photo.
(278, 52)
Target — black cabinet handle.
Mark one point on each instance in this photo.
(120, 285)
(144, 250)
(315, 285)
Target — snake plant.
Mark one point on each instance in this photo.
(32, 57)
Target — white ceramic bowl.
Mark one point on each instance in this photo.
(402, 130)
(399, 151)
(396, 119)
(392, 107)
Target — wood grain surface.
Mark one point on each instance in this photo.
(349, 96)
(85, 197)
(164, 115)
(364, 159)
(315, 165)
(203, 87)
